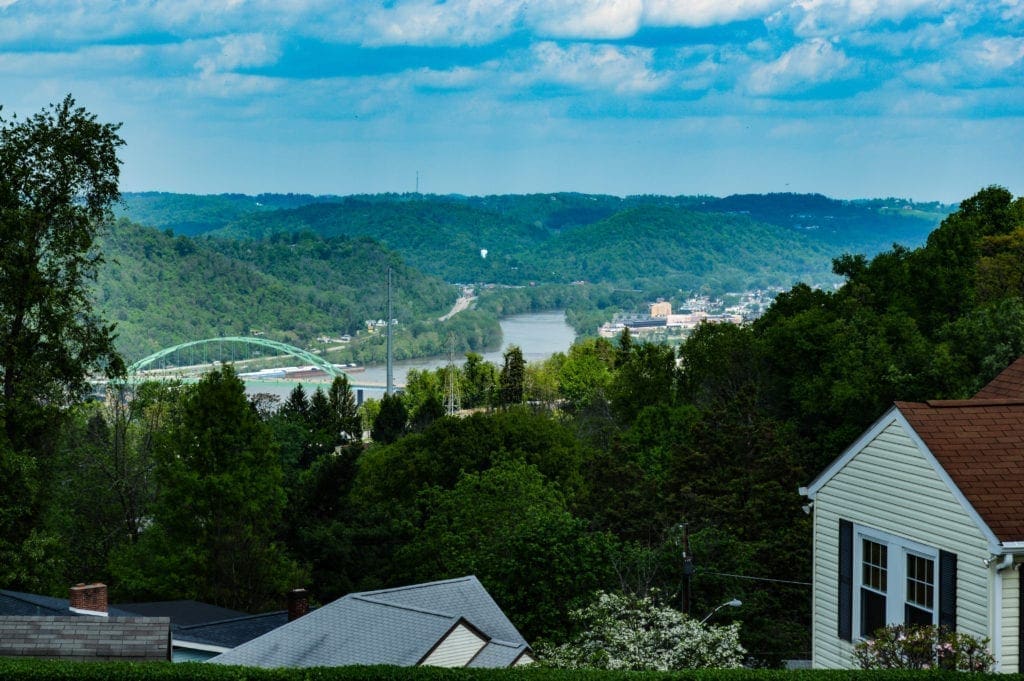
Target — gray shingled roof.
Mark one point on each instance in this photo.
(497, 654)
(183, 613)
(391, 626)
(20, 603)
(231, 632)
(191, 621)
(139, 639)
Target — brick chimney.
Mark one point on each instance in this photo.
(88, 598)
(298, 603)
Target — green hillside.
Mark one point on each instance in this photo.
(249, 271)
(649, 247)
(162, 289)
(438, 237)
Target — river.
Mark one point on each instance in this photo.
(539, 335)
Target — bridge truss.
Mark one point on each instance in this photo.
(281, 348)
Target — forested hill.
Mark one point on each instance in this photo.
(737, 241)
(162, 289)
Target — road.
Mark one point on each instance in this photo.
(461, 304)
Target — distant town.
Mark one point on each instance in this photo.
(662, 324)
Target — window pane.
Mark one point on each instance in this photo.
(921, 582)
(872, 612)
(918, 616)
(875, 564)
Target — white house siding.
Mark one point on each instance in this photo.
(1010, 634)
(457, 649)
(891, 486)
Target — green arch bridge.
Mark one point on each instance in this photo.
(136, 368)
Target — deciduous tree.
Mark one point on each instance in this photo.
(58, 178)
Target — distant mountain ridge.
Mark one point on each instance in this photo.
(775, 238)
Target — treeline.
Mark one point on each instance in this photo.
(728, 243)
(590, 471)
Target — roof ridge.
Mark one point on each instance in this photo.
(402, 606)
(977, 402)
(412, 587)
(231, 619)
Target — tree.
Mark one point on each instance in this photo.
(478, 381)
(391, 421)
(636, 634)
(510, 527)
(348, 424)
(512, 381)
(219, 507)
(58, 178)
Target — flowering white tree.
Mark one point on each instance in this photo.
(628, 632)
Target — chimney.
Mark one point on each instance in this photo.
(298, 603)
(88, 599)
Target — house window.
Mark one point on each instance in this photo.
(920, 607)
(874, 585)
(896, 581)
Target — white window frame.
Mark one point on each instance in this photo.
(896, 579)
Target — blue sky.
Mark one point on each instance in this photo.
(852, 98)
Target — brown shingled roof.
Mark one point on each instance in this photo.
(980, 444)
(1008, 384)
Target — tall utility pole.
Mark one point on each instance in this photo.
(390, 387)
(686, 595)
(451, 381)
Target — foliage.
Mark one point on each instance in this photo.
(923, 647)
(512, 379)
(511, 528)
(635, 633)
(58, 177)
(162, 289)
(218, 508)
(50, 670)
(391, 420)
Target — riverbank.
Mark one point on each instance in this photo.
(539, 335)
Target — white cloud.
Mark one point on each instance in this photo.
(586, 19)
(834, 17)
(624, 70)
(806, 65)
(240, 51)
(424, 22)
(1001, 53)
(703, 13)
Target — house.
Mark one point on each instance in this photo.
(921, 521)
(450, 623)
(86, 639)
(199, 631)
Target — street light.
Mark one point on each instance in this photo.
(734, 603)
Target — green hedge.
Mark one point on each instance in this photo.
(40, 670)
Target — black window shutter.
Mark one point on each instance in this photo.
(947, 589)
(1020, 621)
(845, 580)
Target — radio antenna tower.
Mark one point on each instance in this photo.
(452, 396)
(390, 383)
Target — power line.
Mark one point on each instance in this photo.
(757, 579)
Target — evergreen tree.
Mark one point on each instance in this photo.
(348, 424)
(512, 381)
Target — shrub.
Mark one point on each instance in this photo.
(631, 633)
(923, 647)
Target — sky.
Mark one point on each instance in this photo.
(920, 99)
